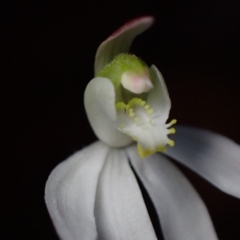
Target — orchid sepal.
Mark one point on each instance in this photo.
(120, 41)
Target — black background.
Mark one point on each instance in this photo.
(47, 56)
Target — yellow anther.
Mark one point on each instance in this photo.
(130, 110)
(170, 142)
(147, 107)
(135, 101)
(172, 122)
(171, 130)
(120, 105)
(131, 114)
(142, 103)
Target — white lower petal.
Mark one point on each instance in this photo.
(119, 209)
(70, 193)
(214, 157)
(182, 213)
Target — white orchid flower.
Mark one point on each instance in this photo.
(94, 193)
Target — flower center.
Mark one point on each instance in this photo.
(138, 120)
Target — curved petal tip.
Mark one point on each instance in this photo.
(120, 41)
(145, 20)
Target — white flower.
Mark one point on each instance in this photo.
(94, 194)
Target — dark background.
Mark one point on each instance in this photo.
(47, 55)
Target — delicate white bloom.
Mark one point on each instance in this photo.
(94, 194)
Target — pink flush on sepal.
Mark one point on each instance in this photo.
(120, 41)
(131, 24)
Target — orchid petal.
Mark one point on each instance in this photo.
(99, 100)
(70, 193)
(120, 41)
(182, 213)
(119, 208)
(214, 157)
(158, 97)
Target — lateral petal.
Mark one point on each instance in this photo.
(213, 156)
(158, 97)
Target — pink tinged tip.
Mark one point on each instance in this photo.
(120, 41)
(145, 20)
(136, 83)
